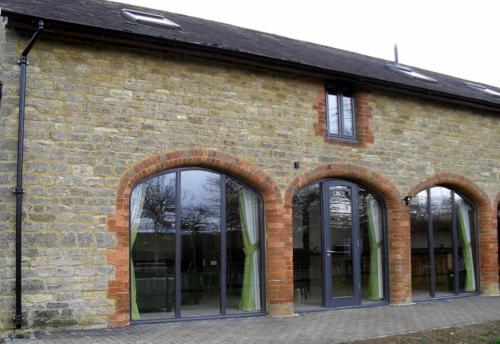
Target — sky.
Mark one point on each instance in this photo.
(458, 38)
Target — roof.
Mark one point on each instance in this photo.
(106, 18)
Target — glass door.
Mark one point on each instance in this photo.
(196, 246)
(443, 244)
(341, 255)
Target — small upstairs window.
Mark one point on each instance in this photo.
(341, 117)
(149, 18)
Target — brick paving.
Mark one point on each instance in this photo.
(333, 326)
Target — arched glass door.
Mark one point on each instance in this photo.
(196, 246)
(443, 244)
(339, 246)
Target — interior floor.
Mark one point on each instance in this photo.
(207, 305)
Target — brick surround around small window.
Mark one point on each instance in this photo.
(363, 111)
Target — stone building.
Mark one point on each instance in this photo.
(177, 168)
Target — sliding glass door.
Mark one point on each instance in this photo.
(196, 246)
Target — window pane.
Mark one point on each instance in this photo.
(200, 242)
(333, 115)
(466, 245)
(372, 247)
(153, 248)
(243, 248)
(340, 223)
(443, 241)
(420, 261)
(347, 116)
(307, 252)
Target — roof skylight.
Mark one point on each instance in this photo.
(149, 18)
(410, 72)
(482, 89)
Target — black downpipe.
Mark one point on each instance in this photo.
(18, 191)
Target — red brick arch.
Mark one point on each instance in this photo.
(397, 215)
(487, 223)
(118, 223)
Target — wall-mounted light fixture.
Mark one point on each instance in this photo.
(296, 165)
(407, 200)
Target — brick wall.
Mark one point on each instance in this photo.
(99, 117)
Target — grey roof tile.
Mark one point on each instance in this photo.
(229, 39)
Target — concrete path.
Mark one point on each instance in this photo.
(335, 326)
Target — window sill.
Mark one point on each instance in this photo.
(342, 139)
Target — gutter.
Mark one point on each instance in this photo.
(19, 191)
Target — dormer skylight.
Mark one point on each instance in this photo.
(410, 72)
(482, 89)
(149, 18)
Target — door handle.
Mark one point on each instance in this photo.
(329, 252)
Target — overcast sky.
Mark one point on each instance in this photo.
(459, 38)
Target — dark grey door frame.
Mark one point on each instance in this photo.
(455, 244)
(177, 316)
(330, 300)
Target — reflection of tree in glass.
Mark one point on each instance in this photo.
(159, 202)
(304, 198)
(233, 222)
(340, 207)
(201, 211)
(158, 214)
(363, 198)
(197, 218)
(441, 206)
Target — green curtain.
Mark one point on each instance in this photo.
(249, 217)
(375, 280)
(465, 240)
(137, 201)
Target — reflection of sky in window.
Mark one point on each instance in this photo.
(347, 116)
(440, 204)
(418, 208)
(200, 201)
(199, 188)
(333, 114)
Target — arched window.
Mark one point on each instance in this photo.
(339, 245)
(196, 243)
(443, 244)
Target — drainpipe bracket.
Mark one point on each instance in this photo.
(18, 191)
(18, 320)
(23, 60)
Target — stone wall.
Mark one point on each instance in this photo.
(96, 111)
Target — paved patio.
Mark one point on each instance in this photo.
(335, 326)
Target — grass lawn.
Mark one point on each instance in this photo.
(480, 333)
